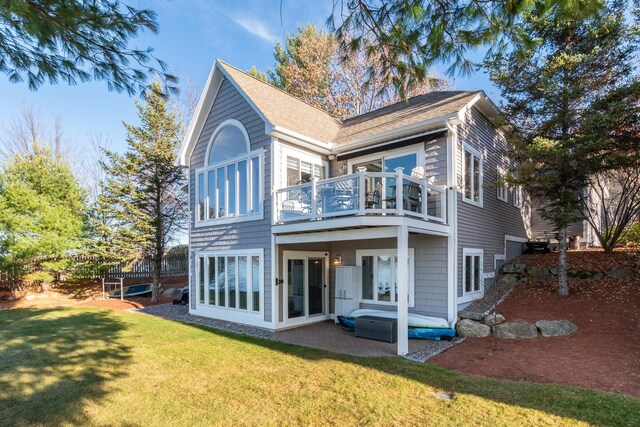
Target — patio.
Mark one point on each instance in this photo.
(332, 337)
(323, 335)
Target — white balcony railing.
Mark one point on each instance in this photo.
(362, 193)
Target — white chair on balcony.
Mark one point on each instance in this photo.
(344, 195)
(417, 172)
(413, 191)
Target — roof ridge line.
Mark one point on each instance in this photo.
(337, 120)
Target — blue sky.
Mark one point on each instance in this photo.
(192, 34)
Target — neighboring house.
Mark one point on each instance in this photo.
(281, 193)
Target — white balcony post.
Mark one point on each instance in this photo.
(361, 190)
(399, 191)
(275, 196)
(403, 290)
(444, 204)
(425, 198)
(314, 201)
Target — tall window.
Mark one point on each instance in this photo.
(380, 275)
(501, 183)
(517, 196)
(229, 185)
(472, 176)
(300, 171)
(234, 280)
(472, 270)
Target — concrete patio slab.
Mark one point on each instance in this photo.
(329, 336)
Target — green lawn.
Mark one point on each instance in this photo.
(97, 367)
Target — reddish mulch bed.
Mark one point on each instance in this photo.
(89, 294)
(590, 259)
(604, 353)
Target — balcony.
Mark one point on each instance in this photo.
(362, 193)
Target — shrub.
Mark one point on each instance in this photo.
(632, 236)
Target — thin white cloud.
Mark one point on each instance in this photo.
(255, 27)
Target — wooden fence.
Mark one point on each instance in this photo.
(172, 266)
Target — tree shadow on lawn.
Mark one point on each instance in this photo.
(53, 376)
(592, 406)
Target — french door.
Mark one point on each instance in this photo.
(305, 286)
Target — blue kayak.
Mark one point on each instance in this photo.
(414, 333)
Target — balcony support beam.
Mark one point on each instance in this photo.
(403, 290)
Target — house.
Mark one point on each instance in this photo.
(283, 196)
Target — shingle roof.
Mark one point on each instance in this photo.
(413, 110)
(289, 112)
(285, 110)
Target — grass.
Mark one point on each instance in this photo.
(98, 367)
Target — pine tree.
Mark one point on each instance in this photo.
(550, 87)
(42, 215)
(143, 205)
(409, 37)
(77, 41)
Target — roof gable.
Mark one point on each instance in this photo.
(284, 110)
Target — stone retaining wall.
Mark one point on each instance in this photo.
(482, 323)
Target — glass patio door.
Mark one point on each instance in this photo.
(315, 284)
(386, 186)
(306, 284)
(295, 288)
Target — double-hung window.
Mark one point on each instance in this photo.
(230, 280)
(472, 176)
(380, 276)
(502, 190)
(472, 271)
(229, 186)
(517, 196)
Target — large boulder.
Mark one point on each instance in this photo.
(621, 273)
(585, 275)
(556, 328)
(467, 328)
(170, 293)
(511, 280)
(491, 320)
(471, 314)
(516, 330)
(540, 274)
(513, 268)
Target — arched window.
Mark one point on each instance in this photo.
(229, 184)
(229, 142)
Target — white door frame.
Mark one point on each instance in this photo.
(304, 319)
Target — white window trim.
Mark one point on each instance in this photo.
(517, 202)
(391, 252)
(239, 252)
(417, 149)
(476, 153)
(470, 296)
(500, 174)
(254, 216)
(304, 156)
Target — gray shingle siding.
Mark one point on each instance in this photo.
(435, 161)
(229, 104)
(485, 227)
(430, 270)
